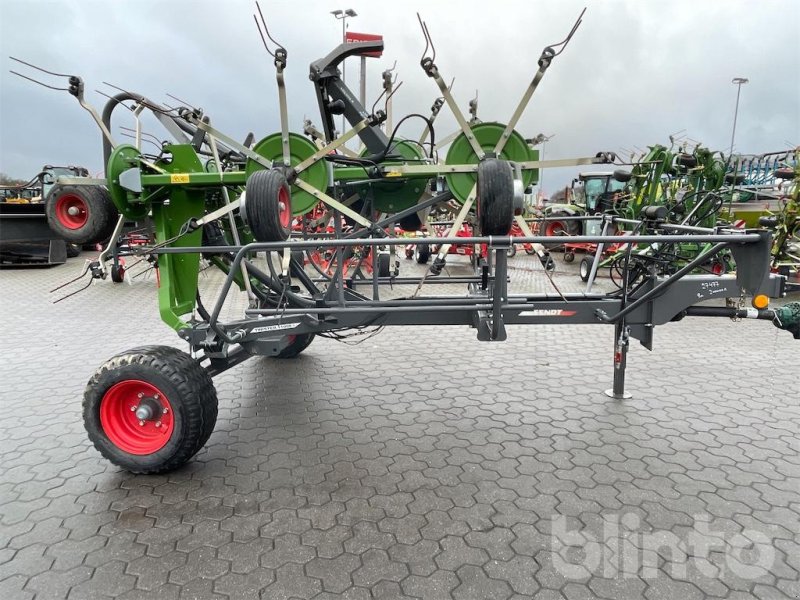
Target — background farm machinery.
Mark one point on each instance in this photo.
(260, 213)
(31, 227)
(693, 187)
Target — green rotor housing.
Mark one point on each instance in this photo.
(487, 135)
(300, 148)
(129, 204)
(391, 196)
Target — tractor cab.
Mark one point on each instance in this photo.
(50, 175)
(598, 190)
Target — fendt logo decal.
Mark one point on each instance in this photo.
(547, 312)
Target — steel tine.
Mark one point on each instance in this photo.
(425, 35)
(184, 102)
(39, 68)
(266, 29)
(52, 87)
(566, 40)
(73, 293)
(378, 100)
(263, 40)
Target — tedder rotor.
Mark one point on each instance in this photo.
(245, 208)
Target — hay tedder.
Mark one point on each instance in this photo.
(235, 205)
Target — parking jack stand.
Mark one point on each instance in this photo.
(621, 342)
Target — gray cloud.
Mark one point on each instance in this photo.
(634, 73)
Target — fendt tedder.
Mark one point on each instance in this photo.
(152, 408)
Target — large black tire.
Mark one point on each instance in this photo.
(81, 214)
(556, 227)
(410, 223)
(422, 253)
(622, 175)
(495, 197)
(268, 206)
(686, 160)
(296, 345)
(734, 178)
(184, 409)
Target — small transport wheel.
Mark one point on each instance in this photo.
(297, 343)
(422, 253)
(530, 250)
(547, 262)
(118, 273)
(81, 214)
(512, 251)
(150, 409)
(73, 250)
(495, 196)
(268, 206)
(586, 267)
(409, 252)
(686, 160)
(569, 256)
(384, 262)
(438, 265)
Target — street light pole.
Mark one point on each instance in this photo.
(738, 82)
(342, 15)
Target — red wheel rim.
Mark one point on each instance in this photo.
(71, 211)
(122, 426)
(554, 228)
(284, 207)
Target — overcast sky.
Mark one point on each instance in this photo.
(634, 73)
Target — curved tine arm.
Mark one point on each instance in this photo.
(280, 54)
(184, 102)
(51, 87)
(263, 39)
(266, 30)
(32, 66)
(394, 91)
(425, 35)
(378, 99)
(566, 40)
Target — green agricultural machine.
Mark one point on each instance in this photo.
(243, 208)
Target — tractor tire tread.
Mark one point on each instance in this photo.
(195, 395)
(101, 220)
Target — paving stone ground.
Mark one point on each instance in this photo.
(419, 464)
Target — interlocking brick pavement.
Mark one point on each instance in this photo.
(419, 464)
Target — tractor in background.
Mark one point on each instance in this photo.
(45, 221)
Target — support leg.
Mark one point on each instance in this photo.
(621, 343)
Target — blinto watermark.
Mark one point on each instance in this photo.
(624, 549)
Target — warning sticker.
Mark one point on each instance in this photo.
(179, 178)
